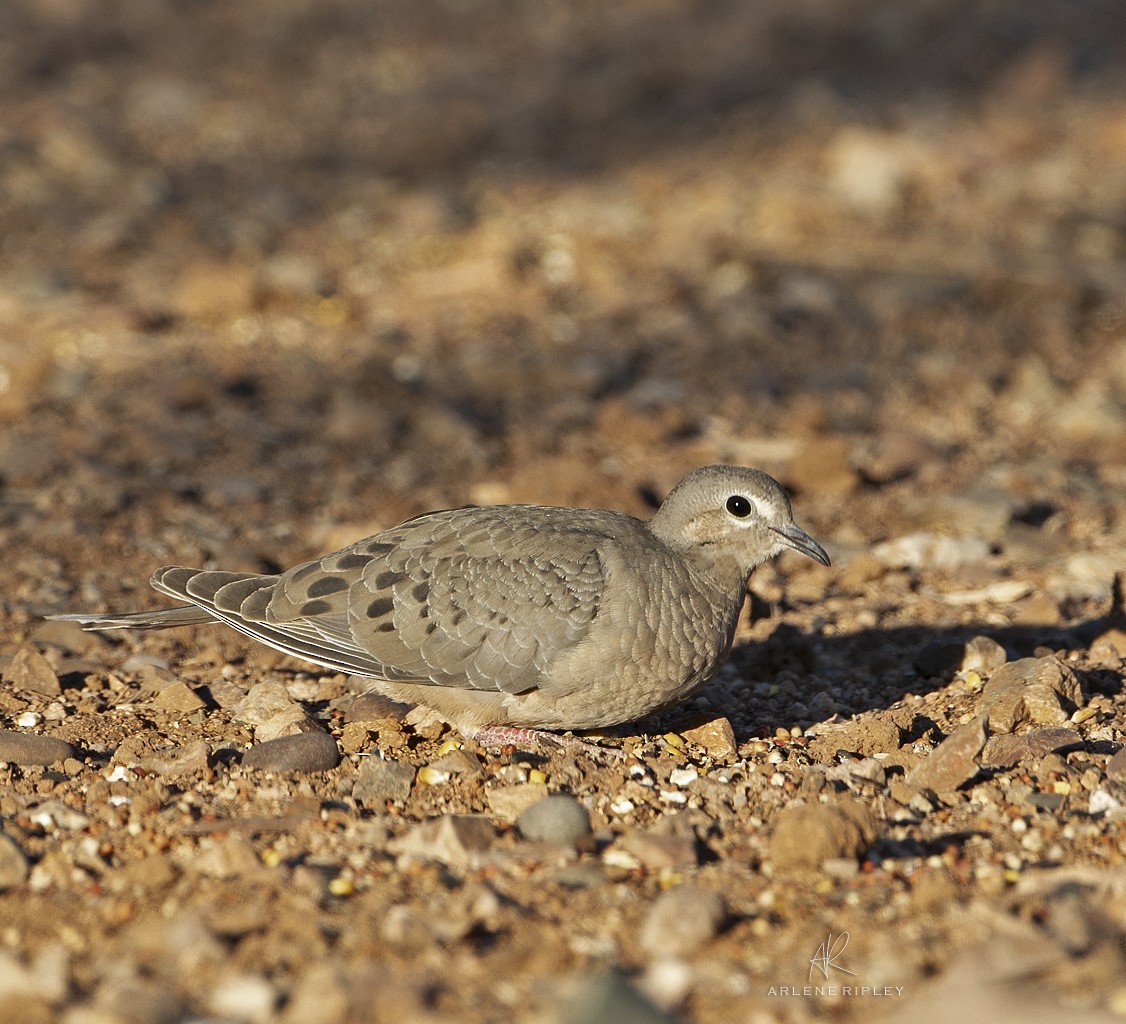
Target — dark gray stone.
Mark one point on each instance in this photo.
(27, 748)
(305, 752)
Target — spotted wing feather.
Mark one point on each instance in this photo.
(464, 598)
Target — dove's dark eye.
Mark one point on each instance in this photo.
(738, 506)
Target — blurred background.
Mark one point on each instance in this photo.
(277, 273)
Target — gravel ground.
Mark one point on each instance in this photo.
(279, 274)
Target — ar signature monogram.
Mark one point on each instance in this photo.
(826, 956)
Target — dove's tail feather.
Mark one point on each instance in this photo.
(158, 618)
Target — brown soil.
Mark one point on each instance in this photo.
(278, 274)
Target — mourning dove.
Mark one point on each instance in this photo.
(510, 617)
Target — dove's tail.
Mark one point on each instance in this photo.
(158, 618)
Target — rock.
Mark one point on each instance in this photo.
(374, 707)
(681, 921)
(509, 802)
(292, 274)
(139, 662)
(27, 748)
(1007, 749)
(46, 977)
(232, 857)
(355, 738)
(716, 736)
(262, 702)
(293, 721)
(68, 637)
(379, 781)
(59, 815)
(656, 851)
(1031, 691)
(953, 762)
(1116, 766)
(807, 835)
(13, 863)
(153, 679)
(226, 694)
(1102, 801)
(456, 840)
(458, 762)
(598, 999)
(155, 871)
(30, 671)
(180, 697)
(183, 760)
(124, 998)
(864, 736)
(1110, 639)
(931, 551)
(207, 289)
(942, 658)
(320, 996)
(982, 655)
(871, 170)
(555, 819)
(667, 981)
(305, 752)
(243, 997)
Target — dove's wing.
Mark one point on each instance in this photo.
(481, 598)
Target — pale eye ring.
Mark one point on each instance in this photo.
(738, 506)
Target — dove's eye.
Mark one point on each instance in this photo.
(738, 506)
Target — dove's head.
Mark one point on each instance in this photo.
(731, 518)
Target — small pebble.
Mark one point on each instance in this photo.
(180, 697)
(807, 835)
(716, 736)
(183, 760)
(26, 748)
(13, 863)
(658, 852)
(1032, 691)
(319, 996)
(290, 721)
(683, 776)
(379, 781)
(455, 840)
(247, 997)
(1007, 749)
(262, 702)
(30, 671)
(555, 819)
(305, 752)
(373, 707)
(509, 802)
(953, 762)
(597, 999)
(682, 921)
(667, 982)
(431, 776)
(1116, 766)
(983, 654)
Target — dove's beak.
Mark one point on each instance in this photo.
(796, 538)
